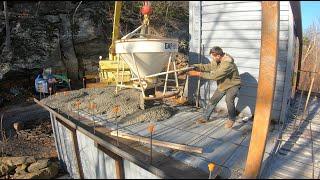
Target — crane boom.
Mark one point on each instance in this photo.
(116, 29)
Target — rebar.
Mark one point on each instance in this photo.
(151, 130)
(115, 110)
(151, 148)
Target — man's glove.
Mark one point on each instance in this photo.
(194, 73)
(194, 67)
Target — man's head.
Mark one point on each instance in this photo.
(216, 53)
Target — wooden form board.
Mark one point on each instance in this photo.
(157, 142)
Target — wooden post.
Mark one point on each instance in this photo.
(266, 86)
(75, 145)
(118, 161)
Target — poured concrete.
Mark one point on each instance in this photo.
(106, 100)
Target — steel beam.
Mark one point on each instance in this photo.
(266, 87)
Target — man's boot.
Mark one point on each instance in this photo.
(201, 120)
(228, 124)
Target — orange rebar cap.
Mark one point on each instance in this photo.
(151, 128)
(116, 109)
(211, 167)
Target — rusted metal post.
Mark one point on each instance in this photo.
(83, 82)
(151, 130)
(115, 110)
(266, 86)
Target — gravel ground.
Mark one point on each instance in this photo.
(105, 100)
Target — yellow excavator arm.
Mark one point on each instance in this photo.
(116, 30)
(108, 67)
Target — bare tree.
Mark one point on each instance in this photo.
(5, 8)
(309, 64)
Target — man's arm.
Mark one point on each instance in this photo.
(224, 69)
(206, 67)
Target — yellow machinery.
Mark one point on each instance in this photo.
(108, 67)
(108, 71)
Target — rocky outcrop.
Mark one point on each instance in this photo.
(4, 68)
(34, 44)
(6, 169)
(28, 168)
(40, 164)
(50, 34)
(46, 173)
(14, 161)
(43, 35)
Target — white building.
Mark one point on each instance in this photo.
(235, 26)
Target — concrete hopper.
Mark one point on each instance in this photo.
(146, 56)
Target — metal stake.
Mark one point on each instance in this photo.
(69, 109)
(50, 89)
(69, 84)
(151, 148)
(117, 131)
(116, 109)
(151, 129)
(118, 61)
(94, 123)
(78, 105)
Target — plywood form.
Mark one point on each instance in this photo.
(95, 163)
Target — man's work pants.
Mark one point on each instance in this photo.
(231, 94)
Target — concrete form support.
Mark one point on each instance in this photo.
(266, 86)
(118, 161)
(121, 152)
(75, 146)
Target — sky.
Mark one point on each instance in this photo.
(310, 10)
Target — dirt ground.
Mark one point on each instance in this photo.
(35, 137)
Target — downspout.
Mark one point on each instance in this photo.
(199, 53)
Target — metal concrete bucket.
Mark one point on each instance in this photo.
(146, 56)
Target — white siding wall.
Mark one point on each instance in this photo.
(236, 27)
(290, 67)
